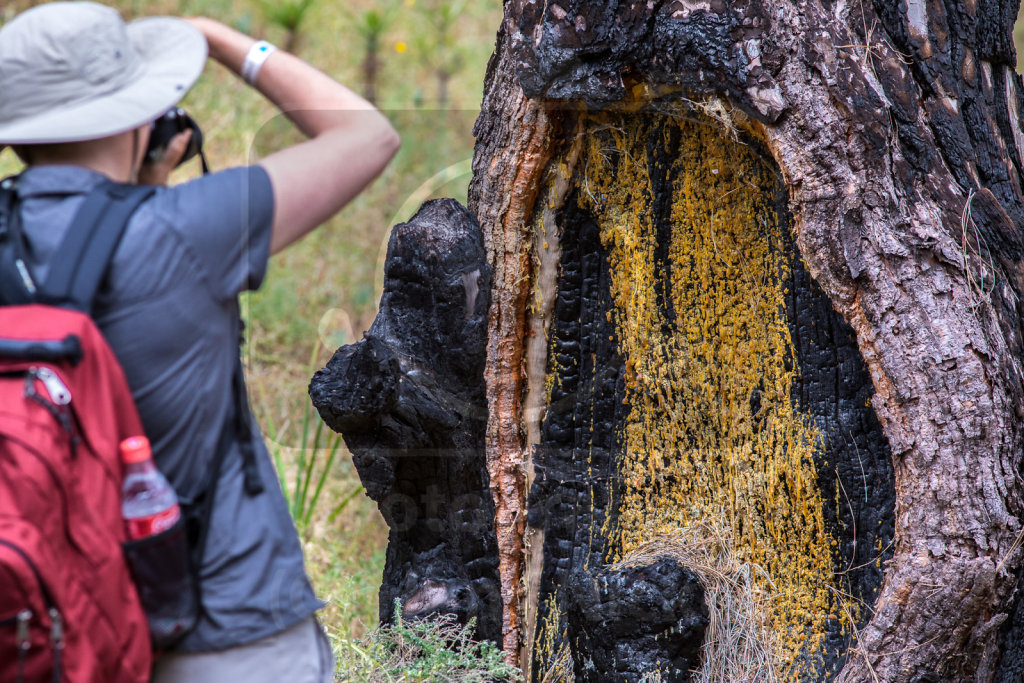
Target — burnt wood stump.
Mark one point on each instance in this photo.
(626, 623)
(409, 401)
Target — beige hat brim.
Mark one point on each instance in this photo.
(172, 53)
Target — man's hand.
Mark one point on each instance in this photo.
(157, 172)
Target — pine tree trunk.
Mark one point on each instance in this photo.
(892, 132)
(750, 397)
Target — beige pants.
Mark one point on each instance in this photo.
(300, 654)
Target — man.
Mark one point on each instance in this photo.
(78, 92)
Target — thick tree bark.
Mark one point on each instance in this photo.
(513, 150)
(895, 128)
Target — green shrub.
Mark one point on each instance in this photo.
(438, 651)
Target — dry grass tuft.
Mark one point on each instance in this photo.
(739, 644)
(561, 669)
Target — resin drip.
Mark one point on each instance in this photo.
(713, 432)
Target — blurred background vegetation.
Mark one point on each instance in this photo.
(423, 63)
(1018, 38)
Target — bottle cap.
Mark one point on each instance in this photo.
(135, 449)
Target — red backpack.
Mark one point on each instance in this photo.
(68, 608)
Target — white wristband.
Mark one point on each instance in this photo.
(254, 60)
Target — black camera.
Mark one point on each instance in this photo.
(166, 127)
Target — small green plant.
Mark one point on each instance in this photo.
(289, 15)
(433, 651)
(439, 44)
(304, 491)
(371, 25)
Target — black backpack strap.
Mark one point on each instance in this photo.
(243, 425)
(243, 422)
(44, 350)
(80, 262)
(238, 428)
(233, 431)
(16, 284)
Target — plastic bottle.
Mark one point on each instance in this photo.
(148, 502)
(157, 550)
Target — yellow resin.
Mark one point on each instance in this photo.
(693, 449)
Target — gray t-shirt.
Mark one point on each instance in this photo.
(170, 313)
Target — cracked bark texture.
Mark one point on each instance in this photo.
(513, 148)
(895, 126)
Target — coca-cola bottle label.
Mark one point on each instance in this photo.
(151, 525)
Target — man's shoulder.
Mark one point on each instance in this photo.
(218, 225)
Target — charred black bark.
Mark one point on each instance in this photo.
(409, 401)
(1011, 640)
(576, 461)
(578, 50)
(898, 127)
(625, 624)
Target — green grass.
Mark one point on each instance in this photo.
(324, 291)
(303, 471)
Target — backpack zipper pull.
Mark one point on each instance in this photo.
(24, 643)
(58, 391)
(57, 629)
(57, 644)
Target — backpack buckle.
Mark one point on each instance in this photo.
(24, 642)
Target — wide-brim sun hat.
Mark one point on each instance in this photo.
(73, 71)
